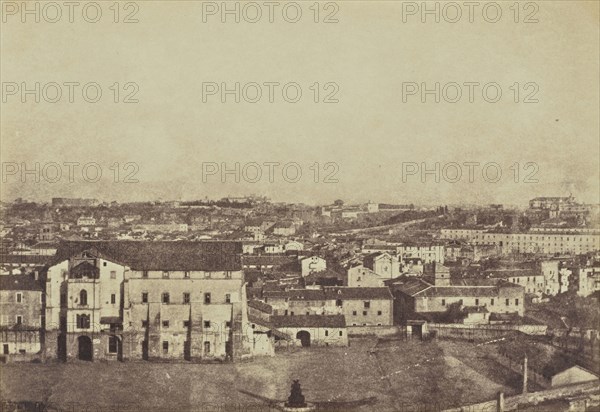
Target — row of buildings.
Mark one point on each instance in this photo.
(133, 300)
(548, 241)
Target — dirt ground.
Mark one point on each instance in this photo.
(400, 375)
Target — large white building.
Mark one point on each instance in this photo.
(557, 241)
(147, 300)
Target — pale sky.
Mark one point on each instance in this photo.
(369, 133)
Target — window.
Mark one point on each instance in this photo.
(338, 302)
(144, 324)
(113, 298)
(113, 274)
(507, 302)
(165, 346)
(517, 302)
(476, 302)
(228, 324)
(207, 298)
(83, 321)
(186, 323)
(186, 298)
(103, 263)
(19, 319)
(112, 344)
(326, 333)
(19, 297)
(227, 298)
(165, 275)
(207, 274)
(186, 274)
(207, 323)
(228, 275)
(166, 298)
(83, 298)
(354, 313)
(341, 333)
(165, 323)
(144, 297)
(378, 313)
(145, 274)
(492, 302)
(207, 347)
(367, 305)
(364, 313)
(443, 302)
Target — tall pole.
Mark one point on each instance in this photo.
(525, 374)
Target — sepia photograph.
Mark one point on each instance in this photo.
(308, 205)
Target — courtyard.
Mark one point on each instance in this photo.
(399, 375)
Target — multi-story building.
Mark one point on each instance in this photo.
(383, 264)
(146, 300)
(428, 252)
(533, 281)
(419, 296)
(556, 276)
(284, 229)
(360, 276)
(361, 306)
(563, 241)
(312, 264)
(86, 221)
(588, 279)
(21, 314)
(547, 203)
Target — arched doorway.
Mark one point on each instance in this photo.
(304, 337)
(85, 348)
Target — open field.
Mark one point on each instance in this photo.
(397, 373)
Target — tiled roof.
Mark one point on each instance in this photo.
(411, 287)
(24, 259)
(309, 321)
(459, 291)
(258, 305)
(19, 282)
(268, 260)
(160, 255)
(306, 294)
(349, 293)
(507, 273)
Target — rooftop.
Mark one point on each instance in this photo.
(309, 321)
(159, 255)
(19, 282)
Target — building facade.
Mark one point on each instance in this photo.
(147, 300)
(21, 314)
(564, 241)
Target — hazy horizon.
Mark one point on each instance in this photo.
(365, 61)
